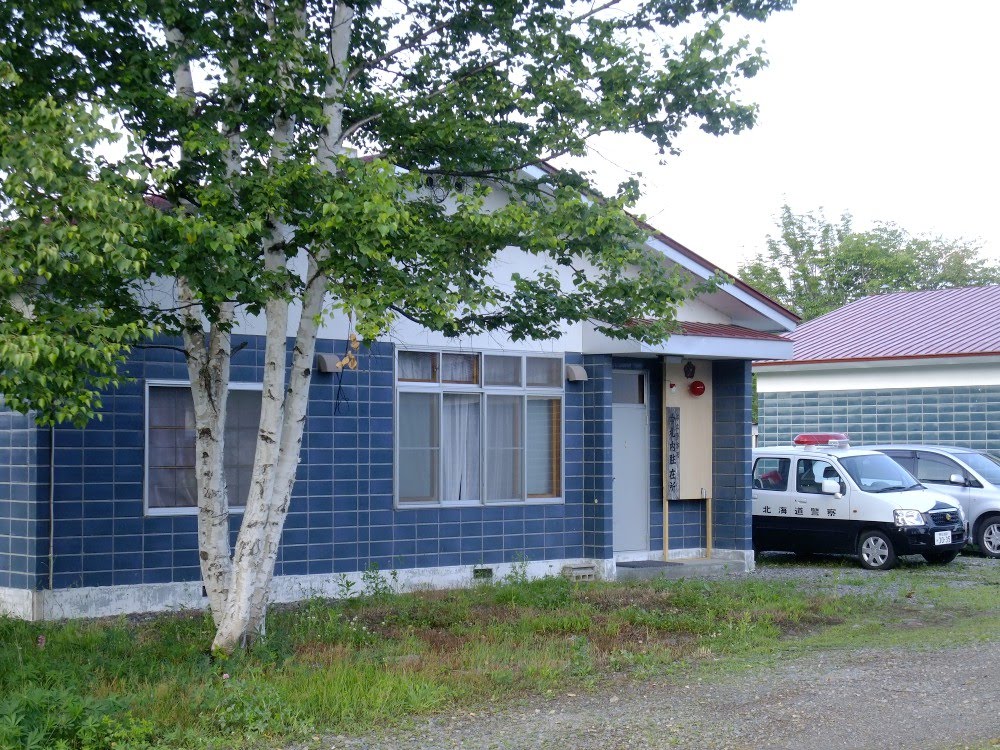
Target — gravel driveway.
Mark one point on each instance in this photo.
(895, 699)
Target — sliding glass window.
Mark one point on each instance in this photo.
(474, 428)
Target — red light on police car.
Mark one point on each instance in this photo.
(837, 439)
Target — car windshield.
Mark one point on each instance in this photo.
(878, 473)
(983, 464)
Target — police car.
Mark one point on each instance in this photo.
(821, 495)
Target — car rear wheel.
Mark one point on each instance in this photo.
(940, 558)
(875, 551)
(988, 537)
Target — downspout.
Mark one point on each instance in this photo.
(52, 505)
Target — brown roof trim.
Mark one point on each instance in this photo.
(725, 331)
(740, 284)
(803, 362)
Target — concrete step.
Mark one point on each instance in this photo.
(699, 567)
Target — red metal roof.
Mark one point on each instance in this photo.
(903, 325)
(719, 330)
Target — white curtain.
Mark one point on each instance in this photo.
(502, 370)
(460, 478)
(504, 447)
(418, 366)
(459, 368)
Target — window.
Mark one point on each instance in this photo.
(986, 464)
(479, 429)
(171, 484)
(628, 388)
(503, 370)
(771, 474)
(419, 367)
(935, 469)
(906, 459)
(544, 447)
(418, 446)
(810, 474)
(876, 472)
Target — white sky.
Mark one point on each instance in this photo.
(886, 108)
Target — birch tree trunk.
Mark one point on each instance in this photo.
(208, 370)
(283, 406)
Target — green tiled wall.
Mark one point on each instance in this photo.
(967, 416)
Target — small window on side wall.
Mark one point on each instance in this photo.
(628, 388)
(171, 483)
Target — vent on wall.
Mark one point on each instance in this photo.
(582, 572)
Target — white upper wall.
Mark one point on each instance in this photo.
(879, 375)
(727, 306)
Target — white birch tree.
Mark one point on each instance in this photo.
(246, 119)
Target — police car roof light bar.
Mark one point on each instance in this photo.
(827, 439)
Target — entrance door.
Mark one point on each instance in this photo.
(630, 462)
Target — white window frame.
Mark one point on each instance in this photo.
(524, 391)
(158, 383)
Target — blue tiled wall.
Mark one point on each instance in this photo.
(967, 416)
(687, 524)
(731, 454)
(24, 457)
(597, 539)
(342, 516)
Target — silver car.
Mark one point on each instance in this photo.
(971, 477)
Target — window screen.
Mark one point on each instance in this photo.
(419, 443)
(502, 370)
(544, 439)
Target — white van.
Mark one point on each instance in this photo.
(969, 477)
(821, 495)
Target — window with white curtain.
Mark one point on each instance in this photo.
(478, 428)
(171, 485)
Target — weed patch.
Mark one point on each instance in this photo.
(379, 656)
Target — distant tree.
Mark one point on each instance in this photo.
(814, 266)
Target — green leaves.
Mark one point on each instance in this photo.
(817, 266)
(72, 263)
(239, 122)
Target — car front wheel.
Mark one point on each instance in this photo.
(875, 551)
(988, 537)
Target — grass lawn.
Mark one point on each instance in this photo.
(380, 657)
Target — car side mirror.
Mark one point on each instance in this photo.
(957, 479)
(831, 487)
